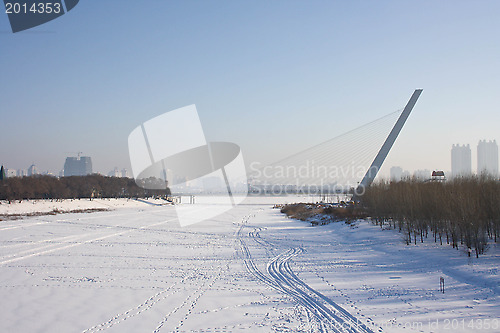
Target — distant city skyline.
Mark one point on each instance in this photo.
(397, 174)
(486, 155)
(461, 162)
(460, 165)
(34, 170)
(273, 77)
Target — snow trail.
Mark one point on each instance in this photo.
(330, 315)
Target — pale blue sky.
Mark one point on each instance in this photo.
(272, 76)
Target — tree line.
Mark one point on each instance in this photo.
(75, 187)
(463, 211)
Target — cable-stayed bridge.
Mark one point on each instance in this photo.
(348, 162)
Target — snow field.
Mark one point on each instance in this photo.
(134, 269)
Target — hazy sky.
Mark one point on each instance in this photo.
(272, 76)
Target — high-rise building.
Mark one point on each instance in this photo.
(114, 173)
(125, 173)
(10, 173)
(487, 157)
(77, 166)
(461, 162)
(396, 173)
(32, 171)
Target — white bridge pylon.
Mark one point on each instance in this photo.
(386, 147)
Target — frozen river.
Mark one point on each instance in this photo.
(135, 269)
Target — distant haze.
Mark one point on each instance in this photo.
(274, 77)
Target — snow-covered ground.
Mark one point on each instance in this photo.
(134, 269)
(60, 206)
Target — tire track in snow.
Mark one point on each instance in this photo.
(334, 315)
(330, 315)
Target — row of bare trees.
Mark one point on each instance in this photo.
(462, 212)
(91, 186)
